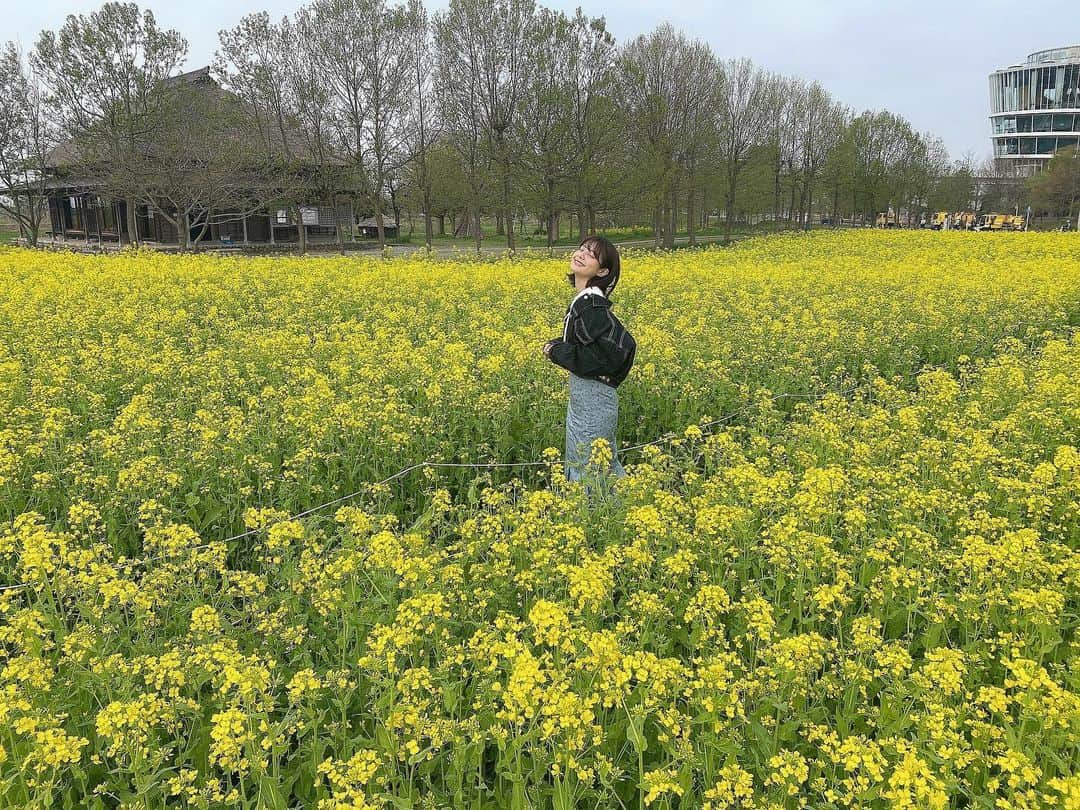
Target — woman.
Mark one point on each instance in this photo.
(597, 351)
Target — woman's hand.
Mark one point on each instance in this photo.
(547, 349)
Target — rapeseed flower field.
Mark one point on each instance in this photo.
(846, 577)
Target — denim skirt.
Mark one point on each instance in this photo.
(592, 412)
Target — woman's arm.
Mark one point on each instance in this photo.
(588, 356)
(585, 361)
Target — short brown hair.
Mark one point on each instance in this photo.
(608, 256)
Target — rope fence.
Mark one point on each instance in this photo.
(666, 438)
(481, 465)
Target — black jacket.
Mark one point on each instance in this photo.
(595, 345)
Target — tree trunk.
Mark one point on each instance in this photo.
(376, 199)
(132, 222)
(380, 227)
(33, 225)
(729, 218)
(729, 206)
(673, 215)
(580, 209)
(301, 231)
(395, 206)
(776, 196)
(691, 221)
(427, 218)
(508, 208)
(476, 222)
(553, 217)
(30, 222)
(202, 231)
(183, 231)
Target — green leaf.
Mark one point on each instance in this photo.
(402, 802)
(636, 732)
(270, 794)
(565, 793)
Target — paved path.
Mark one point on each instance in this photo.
(492, 247)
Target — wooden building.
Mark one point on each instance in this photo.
(79, 210)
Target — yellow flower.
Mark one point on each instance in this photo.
(660, 783)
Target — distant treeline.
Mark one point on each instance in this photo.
(495, 108)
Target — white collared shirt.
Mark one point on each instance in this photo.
(590, 290)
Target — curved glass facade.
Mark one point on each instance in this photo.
(1035, 107)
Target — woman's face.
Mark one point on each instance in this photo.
(584, 265)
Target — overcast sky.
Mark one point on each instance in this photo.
(926, 61)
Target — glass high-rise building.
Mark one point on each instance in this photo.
(1035, 108)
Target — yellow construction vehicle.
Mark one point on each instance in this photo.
(993, 222)
(889, 220)
(1016, 223)
(964, 221)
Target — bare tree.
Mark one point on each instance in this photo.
(954, 189)
(823, 126)
(364, 52)
(871, 156)
(591, 73)
(104, 72)
(335, 48)
(697, 131)
(270, 68)
(252, 60)
(546, 120)
(793, 145)
(200, 166)
(487, 41)
(653, 71)
(423, 127)
(777, 135)
(460, 79)
(27, 137)
(741, 118)
(927, 162)
(386, 64)
(903, 153)
(317, 169)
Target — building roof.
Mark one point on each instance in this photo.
(1050, 57)
(1069, 53)
(65, 155)
(200, 76)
